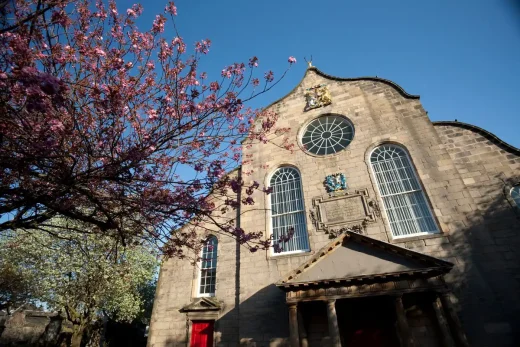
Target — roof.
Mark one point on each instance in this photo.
(488, 135)
(353, 257)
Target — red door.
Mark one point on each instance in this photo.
(202, 334)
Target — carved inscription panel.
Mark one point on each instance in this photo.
(343, 209)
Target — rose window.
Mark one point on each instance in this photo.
(328, 135)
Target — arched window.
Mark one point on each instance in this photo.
(515, 195)
(403, 198)
(208, 267)
(287, 211)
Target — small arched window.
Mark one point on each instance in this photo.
(403, 198)
(288, 212)
(515, 195)
(208, 267)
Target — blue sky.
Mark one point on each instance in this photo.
(462, 57)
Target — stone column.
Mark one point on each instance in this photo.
(443, 323)
(402, 323)
(301, 329)
(453, 320)
(333, 324)
(293, 325)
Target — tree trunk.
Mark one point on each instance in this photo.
(77, 335)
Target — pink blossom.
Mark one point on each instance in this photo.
(226, 73)
(100, 52)
(269, 76)
(152, 114)
(134, 112)
(253, 62)
(203, 46)
(171, 9)
(158, 24)
(60, 17)
(56, 125)
(292, 60)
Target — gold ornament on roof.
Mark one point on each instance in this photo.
(317, 96)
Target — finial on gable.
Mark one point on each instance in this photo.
(309, 62)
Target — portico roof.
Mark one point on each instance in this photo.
(352, 258)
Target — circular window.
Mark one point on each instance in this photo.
(327, 135)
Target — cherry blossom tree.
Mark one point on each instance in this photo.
(100, 122)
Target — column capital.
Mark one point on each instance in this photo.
(292, 305)
(331, 302)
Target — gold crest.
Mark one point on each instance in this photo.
(317, 96)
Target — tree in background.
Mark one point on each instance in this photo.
(99, 118)
(82, 275)
(17, 287)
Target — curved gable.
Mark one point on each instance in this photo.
(394, 85)
(484, 133)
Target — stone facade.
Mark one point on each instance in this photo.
(466, 174)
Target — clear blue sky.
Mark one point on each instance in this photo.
(462, 57)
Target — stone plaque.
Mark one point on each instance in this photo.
(346, 209)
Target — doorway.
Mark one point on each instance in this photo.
(202, 333)
(367, 322)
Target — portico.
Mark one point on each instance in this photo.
(344, 283)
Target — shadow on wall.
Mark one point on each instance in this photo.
(262, 321)
(487, 279)
(486, 283)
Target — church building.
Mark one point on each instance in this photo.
(405, 232)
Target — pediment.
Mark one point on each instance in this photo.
(353, 256)
(202, 304)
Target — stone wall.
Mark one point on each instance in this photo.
(380, 113)
(178, 286)
(489, 168)
(470, 210)
(26, 328)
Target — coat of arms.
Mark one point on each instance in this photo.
(335, 182)
(317, 96)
